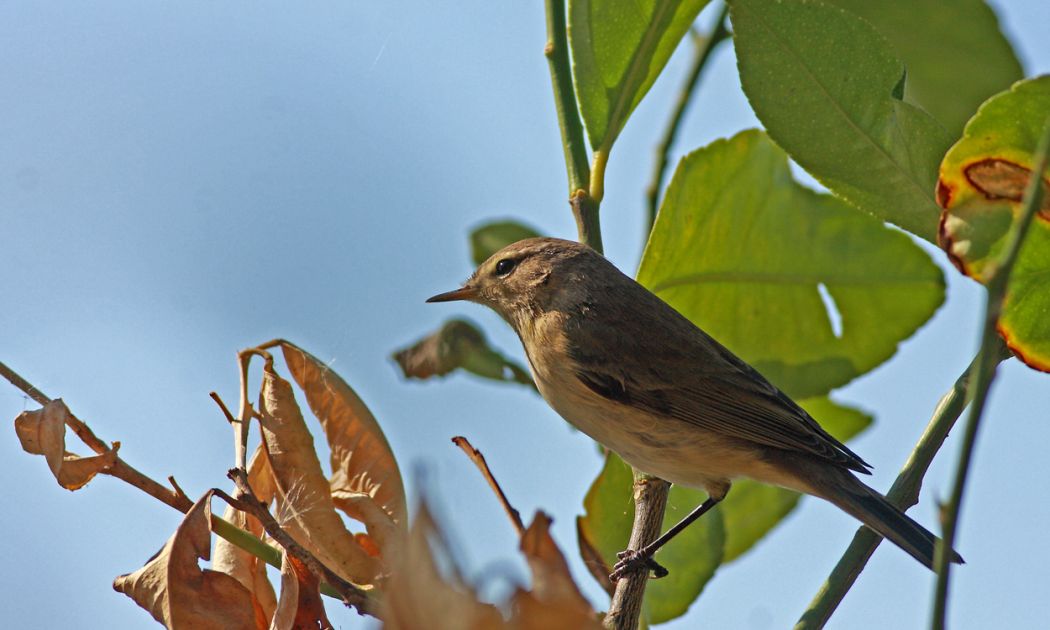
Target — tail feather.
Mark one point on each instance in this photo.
(889, 522)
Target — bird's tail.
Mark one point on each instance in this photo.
(872, 509)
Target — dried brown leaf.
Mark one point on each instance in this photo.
(179, 594)
(362, 460)
(304, 503)
(301, 607)
(384, 533)
(417, 596)
(230, 559)
(43, 432)
(458, 344)
(555, 601)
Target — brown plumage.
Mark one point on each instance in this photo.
(625, 368)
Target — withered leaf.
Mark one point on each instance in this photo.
(362, 461)
(304, 502)
(458, 344)
(43, 432)
(230, 559)
(419, 596)
(179, 594)
(300, 607)
(555, 601)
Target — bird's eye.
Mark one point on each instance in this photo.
(504, 267)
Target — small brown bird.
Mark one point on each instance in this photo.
(631, 372)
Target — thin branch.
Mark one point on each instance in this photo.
(701, 53)
(479, 461)
(904, 493)
(999, 278)
(650, 501)
(247, 502)
(222, 407)
(174, 498)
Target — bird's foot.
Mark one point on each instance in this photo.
(633, 562)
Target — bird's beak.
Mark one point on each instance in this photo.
(466, 293)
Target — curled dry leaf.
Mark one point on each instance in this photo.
(419, 596)
(362, 461)
(179, 594)
(458, 344)
(230, 559)
(384, 533)
(301, 607)
(555, 601)
(43, 432)
(304, 503)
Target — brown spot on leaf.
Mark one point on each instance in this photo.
(944, 193)
(996, 178)
(944, 239)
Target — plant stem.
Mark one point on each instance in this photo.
(584, 206)
(701, 53)
(998, 280)
(557, 53)
(650, 502)
(904, 493)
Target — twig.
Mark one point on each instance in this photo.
(175, 498)
(247, 502)
(650, 501)
(701, 53)
(120, 469)
(999, 278)
(222, 407)
(479, 461)
(904, 493)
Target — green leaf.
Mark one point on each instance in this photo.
(489, 238)
(752, 509)
(822, 82)
(691, 557)
(982, 183)
(458, 344)
(955, 53)
(744, 252)
(618, 50)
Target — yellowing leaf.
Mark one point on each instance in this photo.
(304, 502)
(179, 594)
(362, 460)
(43, 432)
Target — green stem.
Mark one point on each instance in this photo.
(701, 54)
(998, 280)
(557, 53)
(904, 493)
(584, 206)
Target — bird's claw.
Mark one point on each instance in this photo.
(632, 561)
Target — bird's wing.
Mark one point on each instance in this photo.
(729, 398)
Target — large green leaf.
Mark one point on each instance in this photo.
(828, 89)
(955, 54)
(618, 50)
(752, 509)
(981, 187)
(721, 535)
(745, 252)
(691, 557)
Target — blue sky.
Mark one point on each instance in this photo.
(182, 180)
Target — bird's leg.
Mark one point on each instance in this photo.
(631, 561)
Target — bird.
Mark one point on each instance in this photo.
(631, 372)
